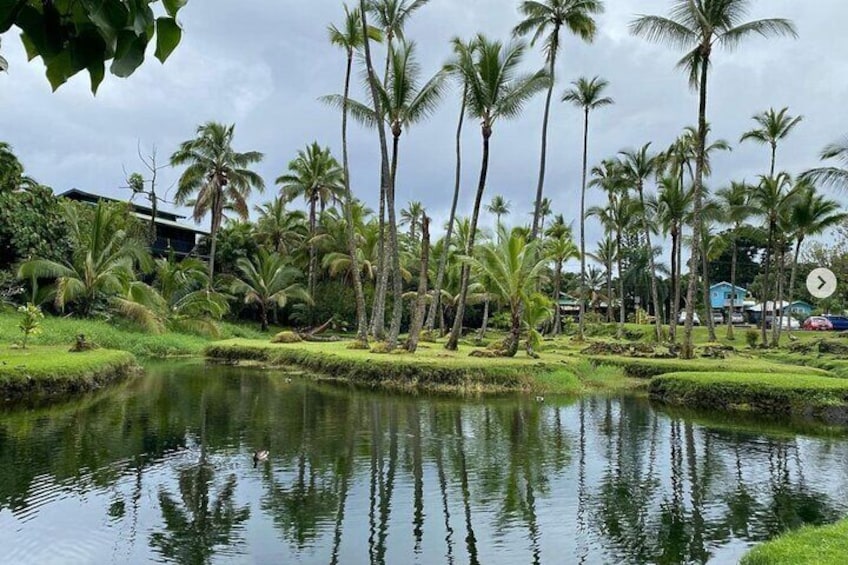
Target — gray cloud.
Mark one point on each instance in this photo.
(264, 64)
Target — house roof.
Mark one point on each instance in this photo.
(724, 283)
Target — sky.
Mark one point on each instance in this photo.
(264, 64)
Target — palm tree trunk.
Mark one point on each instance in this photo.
(688, 349)
(675, 286)
(652, 265)
(540, 188)
(361, 314)
(397, 281)
(732, 305)
(582, 321)
(557, 290)
(418, 313)
(217, 214)
(766, 285)
(621, 307)
(378, 308)
(610, 316)
(440, 276)
(794, 270)
(511, 345)
(263, 313)
(385, 174)
(705, 287)
(313, 256)
(484, 326)
(456, 331)
(781, 277)
(773, 159)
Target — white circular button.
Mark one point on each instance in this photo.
(821, 283)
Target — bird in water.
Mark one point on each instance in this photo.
(258, 456)
(540, 399)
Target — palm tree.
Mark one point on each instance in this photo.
(771, 198)
(698, 27)
(831, 176)
(773, 127)
(811, 214)
(189, 303)
(316, 176)
(544, 19)
(217, 177)
(412, 216)
(673, 207)
(461, 50)
(545, 210)
(102, 266)
(351, 38)
(495, 91)
(736, 202)
(499, 206)
(606, 255)
(391, 16)
(513, 267)
(639, 166)
(268, 281)
(559, 248)
(586, 94)
(281, 230)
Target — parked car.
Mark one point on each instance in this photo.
(696, 321)
(737, 319)
(817, 323)
(786, 322)
(840, 323)
(718, 318)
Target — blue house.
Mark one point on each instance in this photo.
(800, 309)
(722, 293)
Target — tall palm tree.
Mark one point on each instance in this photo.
(499, 206)
(698, 27)
(736, 202)
(586, 94)
(810, 214)
(832, 176)
(280, 229)
(217, 177)
(544, 19)
(639, 166)
(673, 207)
(513, 267)
(461, 49)
(559, 248)
(391, 17)
(351, 38)
(317, 177)
(495, 91)
(773, 127)
(268, 281)
(606, 255)
(545, 210)
(771, 198)
(412, 215)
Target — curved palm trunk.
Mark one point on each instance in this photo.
(766, 285)
(418, 314)
(776, 329)
(511, 345)
(705, 289)
(675, 285)
(557, 290)
(361, 314)
(582, 322)
(622, 309)
(540, 188)
(732, 305)
(313, 256)
(456, 331)
(385, 174)
(688, 349)
(652, 265)
(217, 216)
(397, 281)
(609, 290)
(378, 308)
(435, 303)
(790, 297)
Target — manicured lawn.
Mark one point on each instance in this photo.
(647, 368)
(826, 545)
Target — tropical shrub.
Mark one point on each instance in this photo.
(751, 338)
(31, 321)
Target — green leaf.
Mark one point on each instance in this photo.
(8, 13)
(96, 70)
(168, 35)
(129, 55)
(60, 69)
(171, 6)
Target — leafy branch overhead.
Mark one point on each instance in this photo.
(83, 35)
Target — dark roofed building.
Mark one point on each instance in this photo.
(171, 234)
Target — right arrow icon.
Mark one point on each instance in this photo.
(821, 283)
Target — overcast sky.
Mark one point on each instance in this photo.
(263, 65)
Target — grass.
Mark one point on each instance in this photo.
(645, 368)
(63, 331)
(824, 545)
(801, 394)
(53, 370)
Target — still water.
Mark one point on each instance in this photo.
(160, 469)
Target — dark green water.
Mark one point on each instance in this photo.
(160, 469)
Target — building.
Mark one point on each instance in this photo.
(171, 234)
(798, 309)
(721, 294)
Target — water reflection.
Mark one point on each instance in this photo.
(160, 469)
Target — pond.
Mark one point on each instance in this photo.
(161, 469)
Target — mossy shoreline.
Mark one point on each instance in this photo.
(48, 372)
(811, 545)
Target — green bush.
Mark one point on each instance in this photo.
(751, 338)
(286, 337)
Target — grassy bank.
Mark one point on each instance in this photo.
(645, 368)
(825, 545)
(431, 368)
(120, 336)
(41, 371)
(801, 394)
